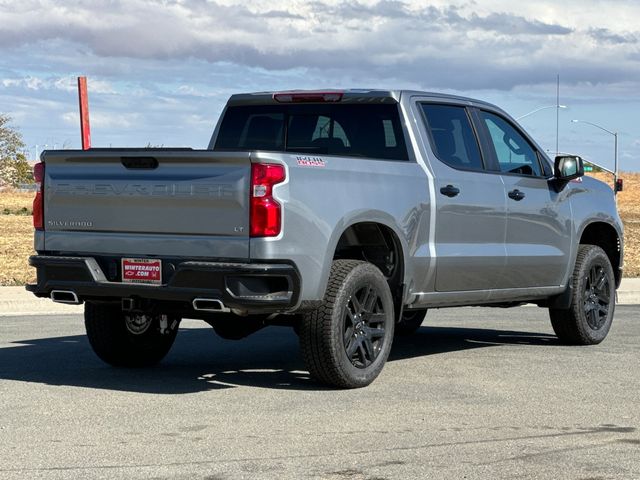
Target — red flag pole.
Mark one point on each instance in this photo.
(85, 128)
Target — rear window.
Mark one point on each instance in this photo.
(454, 141)
(371, 131)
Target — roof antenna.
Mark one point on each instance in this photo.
(557, 115)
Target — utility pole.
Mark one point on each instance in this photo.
(83, 101)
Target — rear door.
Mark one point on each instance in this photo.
(148, 202)
(538, 237)
(470, 202)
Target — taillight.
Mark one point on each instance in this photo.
(38, 202)
(265, 212)
(308, 96)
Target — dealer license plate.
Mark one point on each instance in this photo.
(142, 270)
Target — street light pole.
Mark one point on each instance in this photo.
(615, 145)
(538, 109)
(557, 106)
(615, 156)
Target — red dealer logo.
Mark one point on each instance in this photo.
(310, 161)
(142, 270)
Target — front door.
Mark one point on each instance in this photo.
(538, 237)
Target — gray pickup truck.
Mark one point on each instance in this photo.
(343, 214)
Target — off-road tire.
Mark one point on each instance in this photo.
(116, 345)
(588, 320)
(233, 327)
(410, 322)
(327, 332)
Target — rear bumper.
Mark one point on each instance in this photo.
(252, 287)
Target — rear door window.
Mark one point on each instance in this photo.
(371, 131)
(453, 137)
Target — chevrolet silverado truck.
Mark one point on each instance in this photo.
(343, 214)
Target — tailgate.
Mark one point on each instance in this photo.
(132, 197)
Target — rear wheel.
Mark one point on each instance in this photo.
(588, 320)
(410, 321)
(128, 340)
(346, 341)
(234, 327)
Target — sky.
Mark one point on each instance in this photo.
(160, 72)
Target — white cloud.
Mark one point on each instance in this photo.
(440, 43)
(104, 120)
(160, 70)
(66, 83)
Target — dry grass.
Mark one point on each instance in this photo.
(629, 198)
(629, 208)
(16, 203)
(632, 248)
(16, 244)
(16, 231)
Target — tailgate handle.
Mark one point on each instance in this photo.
(148, 163)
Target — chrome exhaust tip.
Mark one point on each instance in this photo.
(65, 296)
(209, 305)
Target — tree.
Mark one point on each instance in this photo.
(16, 171)
(14, 168)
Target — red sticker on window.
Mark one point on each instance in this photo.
(142, 270)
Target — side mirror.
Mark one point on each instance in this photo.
(568, 167)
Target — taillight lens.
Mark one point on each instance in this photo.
(38, 202)
(265, 212)
(308, 96)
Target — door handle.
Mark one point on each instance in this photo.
(450, 191)
(516, 195)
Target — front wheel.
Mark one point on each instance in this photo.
(588, 320)
(410, 321)
(233, 327)
(128, 340)
(346, 342)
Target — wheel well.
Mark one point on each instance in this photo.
(605, 236)
(377, 244)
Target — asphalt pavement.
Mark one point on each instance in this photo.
(477, 393)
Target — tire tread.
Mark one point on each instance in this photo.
(113, 344)
(317, 348)
(567, 323)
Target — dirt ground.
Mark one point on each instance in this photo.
(16, 244)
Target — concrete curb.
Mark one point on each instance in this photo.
(17, 301)
(629, 291)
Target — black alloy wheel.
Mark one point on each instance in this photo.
(597, 297)
(364, 326)
(588, 320)
(345, 342)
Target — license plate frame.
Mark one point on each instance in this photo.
(147, 271)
